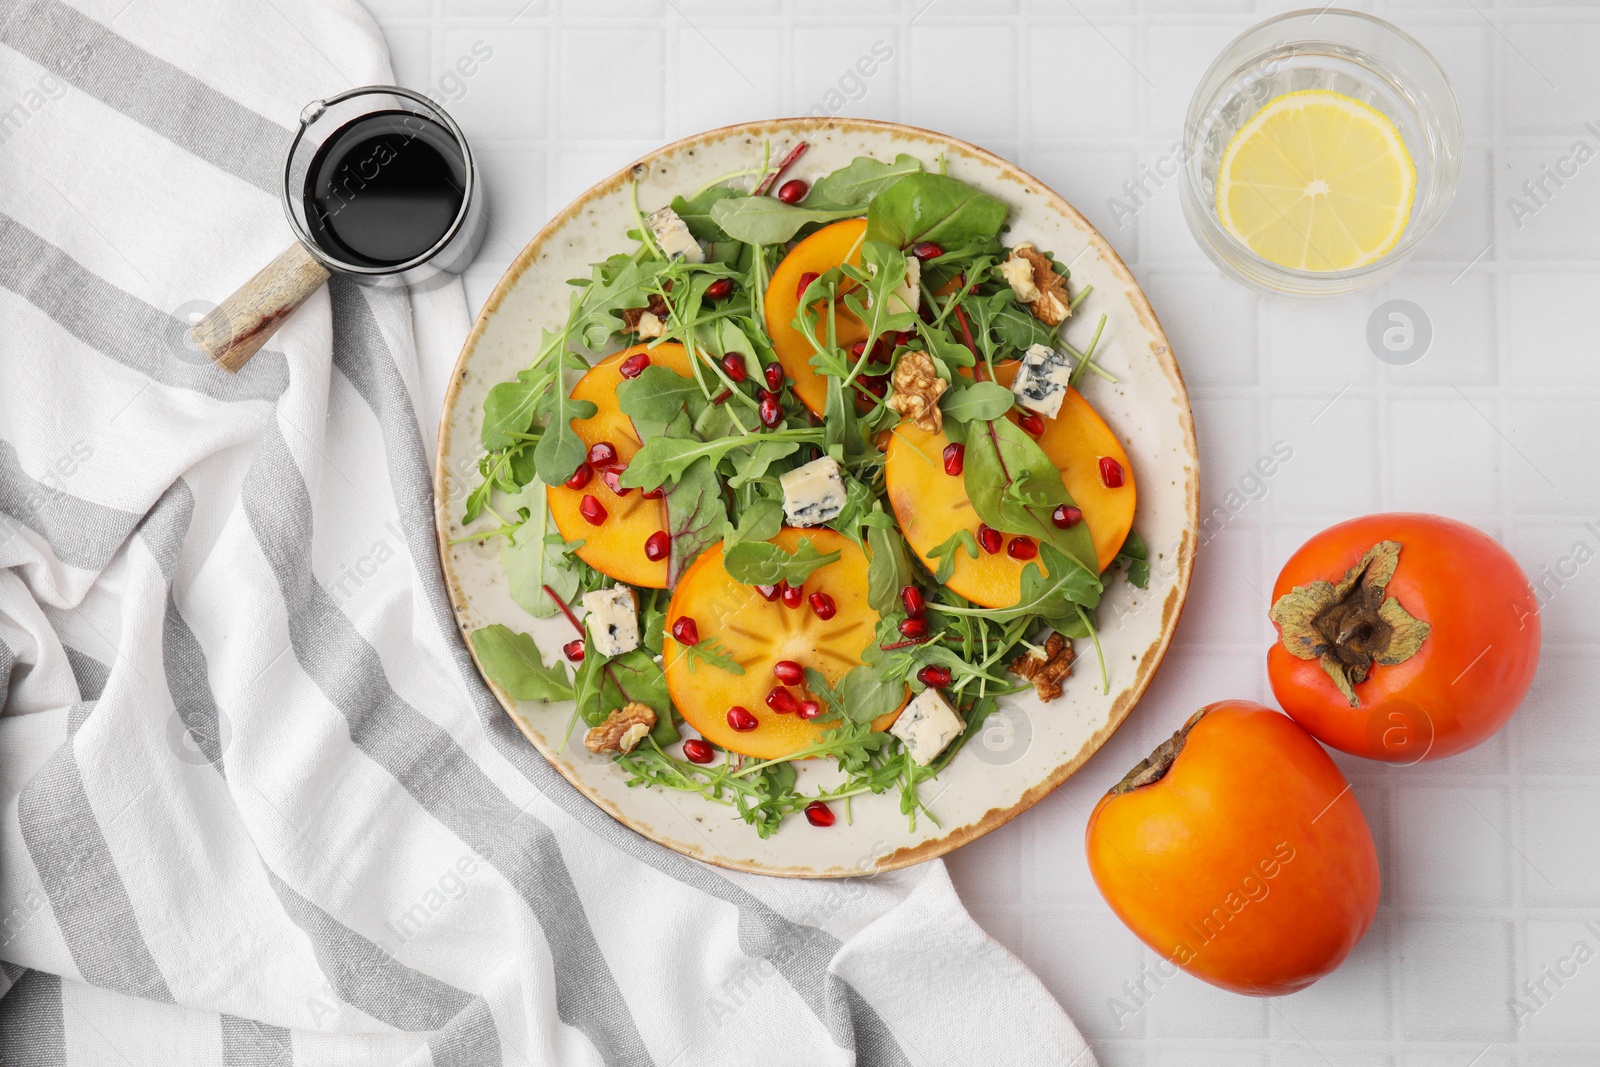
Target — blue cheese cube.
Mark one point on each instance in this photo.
(927, 726)
(812, 494)
(673, 235)
(613, 620)
(1042, 380)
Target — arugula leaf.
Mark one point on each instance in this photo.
(873, 300)
(933, 207)
(1136, 557)
(711, 652)
(860, 181)
(533, 561)
(657, 397)
(512, 661)
(509, 407)
(761, 457)
(766, 220)
(761, 521)
(1055, 597)
(1013, 324)
(615, 285)
(560, 450)
(865, 693)
(696, 514)
(945, 553)
(696, 212)
(1014, 487)
(980, 401)
(764, 563)
(888, 570)
(664, 459)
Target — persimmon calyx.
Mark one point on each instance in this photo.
(1154, 767)
(1352, 626)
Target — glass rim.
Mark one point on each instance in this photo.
(314, 111)
(1446, 113)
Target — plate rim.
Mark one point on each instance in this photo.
(1172, 606)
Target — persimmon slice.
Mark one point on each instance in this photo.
(615, 547)
(758, 634)
(831, 246)
(932, 505)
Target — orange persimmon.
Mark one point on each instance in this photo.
(829, 247)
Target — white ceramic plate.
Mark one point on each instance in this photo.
(1028, 748)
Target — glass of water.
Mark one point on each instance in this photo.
(1328, 51)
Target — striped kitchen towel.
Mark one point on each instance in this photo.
(257, 806)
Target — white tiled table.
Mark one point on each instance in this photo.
(1491, 860)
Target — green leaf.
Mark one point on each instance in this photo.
(1136, 557)
(862, 695)
(560, 450)
(696, 514)
(766, 220)
(713, 653)
(764, 563)
(977, 401)
(933, 207)
(657, 397)
(614, 286)
(532, 561)
(945, 553)
(873, 300)
(761, 521)
(888, 571)
(696, 212)
(761, 458)
(1013, 324)
(1056, 596)
(509, 408)
(512, 661)
(604, 685)
(860, 181)
(1014, 487)
(664, 459)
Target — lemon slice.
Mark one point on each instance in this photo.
(1317, 180)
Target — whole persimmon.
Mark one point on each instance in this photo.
(1238, 852)
(1402, 637)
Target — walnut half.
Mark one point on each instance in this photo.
(917, 388)
(1047, 672)
(622, 730)
(1042, 289)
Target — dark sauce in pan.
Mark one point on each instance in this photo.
(384, 188)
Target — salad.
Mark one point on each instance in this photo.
(808, 470)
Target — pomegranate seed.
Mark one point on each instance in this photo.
(876, 384)
(805, 282)
(580, 477)
(685, 631)
(823, 605)
(573, 650)
(1110, 473)
(955, 459)
(634, 365)
(934, 675)
(768, 593)
(722, 397)
(771, 412)
(1022, 548)
(592, 510)
(880, 354)
(657, 546)
(789, 672)
(793, 191)
(733, 363)
(808, 709)
(602, 454)
(613, 480)
(819, 814)
(858, 349)
(792, 595)
(914, 628)
(1031, 422)
(654, 494)
(741, 719)
(774, 376)
(911, 597)
(696, 750)
(1065, 516)
(926, 250)
(990, 538)
(719, 288)
(780, 700)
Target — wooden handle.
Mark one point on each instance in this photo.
(236, 328)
